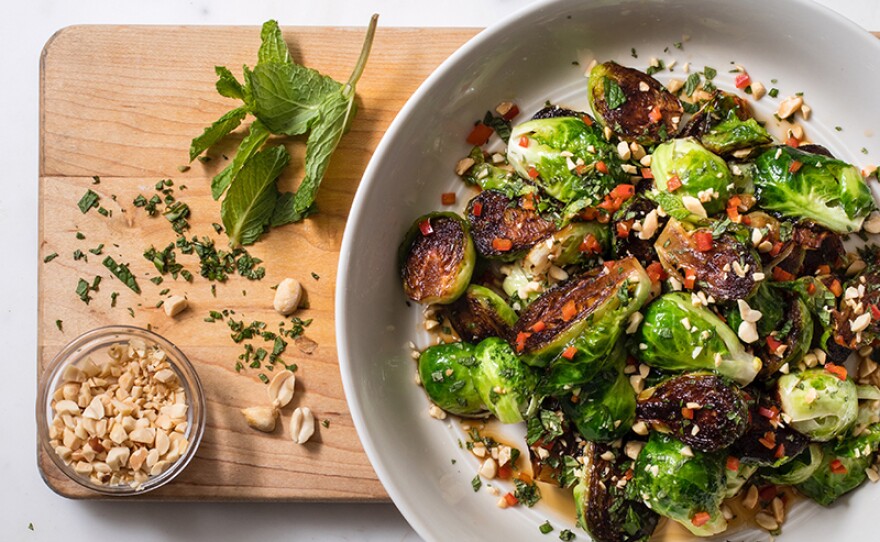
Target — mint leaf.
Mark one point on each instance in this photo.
(287, 97)
(273, 47)
(215, 132)
(87, 201)
(122, 272)
(614, 96)
(227, 85)
(251, 143)
(250, 200)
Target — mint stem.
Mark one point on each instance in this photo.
(362, 60)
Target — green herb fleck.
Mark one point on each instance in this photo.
(123, 273)
(97, 250)
(567, 536)
(82, 290)
(545, 527)
(50, 257)
(59, 325)
(614, 96)
(264, 378)
(693, 81)
(113, 297)
(527, 494)
(325, 423)
(80, 235)
(315, 276)
(157, 280)
(773, 92)
(87, 201)
(476, 483)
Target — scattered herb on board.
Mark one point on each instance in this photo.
(80, 235)
(87, 201)
(326, 423)
(286, 99)
(316, 276)
(123, 273)
(60, 325)
(82, 290)
(50, 257)
(113, 297)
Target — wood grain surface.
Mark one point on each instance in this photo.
(122, 103)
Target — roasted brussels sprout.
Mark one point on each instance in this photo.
(684, 169)
(724, 124)
(677, 336)
(796, 471)
(481, 313)
(770, 301)
(799, 184)
(820, 404)
(725, 269)
(503, 228)
(768, 441)
(619, 101)
(490, 176)
(606, 408)
(843, 467)
(505, 384)
(568, 246)
(445, 372)
(573, 326)
(554, 111)
(701, 410)
(554, 448)
(603, 507)
(821, 303)
(437, 258)
(566, 153)
(685, 485)
(639, 244)
(735, 479)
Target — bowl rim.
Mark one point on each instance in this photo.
(101, 337)
(353, 396)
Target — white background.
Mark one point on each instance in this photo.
(24, 498)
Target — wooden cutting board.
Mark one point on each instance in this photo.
(122, 103)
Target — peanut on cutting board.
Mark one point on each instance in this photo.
(288, 295)
(281, 390)
(123, 421)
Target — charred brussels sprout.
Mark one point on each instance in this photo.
(803, 185)
(481, 313)
(619, 101)
(685, 487)
(667, 340)
(565, 153)
(639, 244)
(445, 372)
(505, 384)
(580, 322)
(567, 246)
(768, 441)
(437, 258)
(604, 509)
(725, 270)
(820, 404)
(682, 168)
(605, 410)
(796, 471)
(503, 228)
(725, 124)
(843, 467)
(701, 410)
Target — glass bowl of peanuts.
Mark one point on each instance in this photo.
(120, 410)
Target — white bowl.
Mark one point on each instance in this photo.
(528, 58)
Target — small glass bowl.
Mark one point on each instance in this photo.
(93, 343)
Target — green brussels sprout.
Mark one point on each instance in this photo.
(505, 384)
(796, 471)
(516, 282)
(566, 247)
(490, 176)
(698, 171)
(843, 467)
(820, 405)
(445, 372)
(604, 509)
(736, 479)
(725, 124)
(664, 342)
(633, 104)
(554, 147)
(481, 313)
(580, 322)
(822, 304)
(606, 409)
(684, 485)
(437, 258)
(825, 190)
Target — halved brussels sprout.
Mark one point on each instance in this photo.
(490, 176)
(799, 184)
(604, 410)
(604, 508)
(636, 243)
(437, 258)
(573, 326)
(725, 271)
(725, 124)
(503, 228)
(562, 156)
(819, 403)
(554, 448)
(843, 467)
(735, 480)
(701, 410)
(554, 111)
(505, 384)
(796, 471)
(822, 305)
(683, 167)
(686, 486)
(768, 441)
(788, 344)
(633, 104)
(481, 313)
(445, 372)
(677, 336)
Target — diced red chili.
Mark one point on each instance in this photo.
(533, 173)
(837, 467)
(502, 245)
(623, 191)
(587, 120)
(673, 184)
(656, 272)
(539, 326)
(687, 413)
(521, 339)
(732, 463)
(511, 499)
(511, 113)
(623, 228)
(811, 288)
(776, 249)
(655, 115)
(795, 166)
(875, 312)
(528, 202)
(477, 209)
(823, 269)
(768, 440)
(690, 278)
(647, 173)
(773, 344)
(569, 311)
(580, 169)
(793, 142)
(480, 134)
(768, 493)
(836, 288)
(703, 240)
(780, 451)
(733, 209)
(769, 413)
(448, 198)
(505, 472)
(570, 352)
(524, 141)
(603, 217)
(700, 519)
(425, 227)
(589, 213)
(590, 244)
(742, 80)
(601, 167)
(837, 370)
(781, 275)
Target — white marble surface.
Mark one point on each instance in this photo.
(24, 498)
